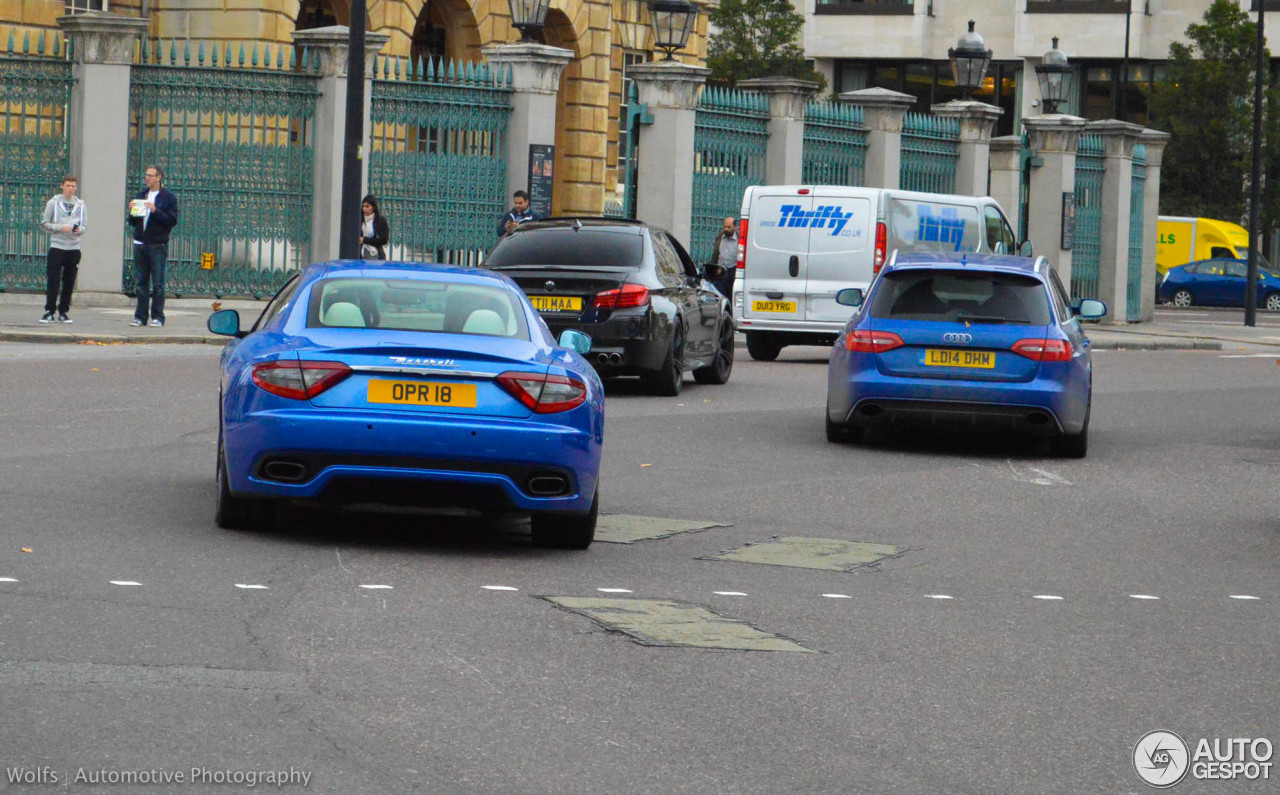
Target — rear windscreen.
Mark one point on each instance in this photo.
(933, 226)
(416, 305)
(584, 247)
(960, 296)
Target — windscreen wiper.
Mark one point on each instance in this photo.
(989, 319)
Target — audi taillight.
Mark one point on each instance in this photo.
(862, 341)
(625, 297)
(1044, 350)
(742, 244)
(544, 394)
(882, 244)
(298, 380)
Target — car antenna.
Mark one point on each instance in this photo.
(577, 224)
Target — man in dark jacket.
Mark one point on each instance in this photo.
(518, 214)
(153, 213)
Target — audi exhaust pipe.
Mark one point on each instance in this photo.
(1037, 419)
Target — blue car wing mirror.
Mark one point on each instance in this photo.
(226, 323)
(575, 341)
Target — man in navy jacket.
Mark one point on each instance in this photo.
(153, 213)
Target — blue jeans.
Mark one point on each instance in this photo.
(148, 273)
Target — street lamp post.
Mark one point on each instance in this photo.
(969, 62)
(529, 17)
(1056, 77)
(1255, 178)
(672, 22)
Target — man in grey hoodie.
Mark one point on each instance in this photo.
(64, 220)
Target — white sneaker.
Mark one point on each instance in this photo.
(62, 318)
(47, 317)
(157, 322)
(136, 322)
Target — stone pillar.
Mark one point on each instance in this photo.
(328, 130)
(535, 79)
(1118, 140)
(1155, 142)
(1054, 140)
(664, 183)
(1004, 183)
(977, 120)
(882, 112)
(98, 120)
(788, 98)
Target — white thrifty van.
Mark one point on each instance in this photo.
(798, 245)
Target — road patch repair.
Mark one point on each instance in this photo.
(624, 529)
(827, 554)
(661, 622)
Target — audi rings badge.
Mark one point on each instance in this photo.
(957, 338)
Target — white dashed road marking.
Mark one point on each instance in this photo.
(7, 579)
(378, 587)
(614, 590)
(837, 596)
(1049, 597)
(499, 588)
(938, 596)
(1142, 596)
(728, 593)
(1244, 596)
(251, 587)
(124, 582)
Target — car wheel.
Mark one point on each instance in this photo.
(668, 379)
(1074, 445)
(718, 371)
(762, 347)
(838, 433)
(238, 513)
(1182, 298)
(1273, 302)
(566, 530)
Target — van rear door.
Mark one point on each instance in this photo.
(776, 249)
(927, 222)
(841, 249)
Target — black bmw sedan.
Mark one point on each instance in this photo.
(650, 311)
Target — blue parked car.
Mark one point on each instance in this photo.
(408, 384)
(1217, 282)
(967, 340)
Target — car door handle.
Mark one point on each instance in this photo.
(793, 265)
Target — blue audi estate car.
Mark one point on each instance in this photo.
(408, 384)
(967, 340)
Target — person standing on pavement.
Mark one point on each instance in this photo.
(725, 250)
(64, 220)
(153, 214)
(375, 232)
(519, 213)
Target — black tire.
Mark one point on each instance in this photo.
(566, 530)
(841, 434)
(239, 513)
(722, 366)
(762, 347)
(668, 379)
(1183, 298)
(1074, 445)
(1272, 302)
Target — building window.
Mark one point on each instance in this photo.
(1102, 83)
(931, 83)
(883, 7)
(1081, 6)
(81, 6)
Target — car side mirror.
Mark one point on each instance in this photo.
(226, 323)
(575, 341)
(1091, 309)
(712, 271)
(850, 296)
(1025, 249)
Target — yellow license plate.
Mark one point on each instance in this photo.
(423, 393)
(940, 357)
(556, 303)
(773, 306)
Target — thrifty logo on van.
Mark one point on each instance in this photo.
(945, 228)
(827, 216)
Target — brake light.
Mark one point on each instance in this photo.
(742, 244)
(862, 341)
(626, 297)
(545, 394)
(882, 244)
(298, 380)
(1044, 350)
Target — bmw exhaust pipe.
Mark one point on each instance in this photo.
(615, 358)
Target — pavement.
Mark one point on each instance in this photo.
(103, 319)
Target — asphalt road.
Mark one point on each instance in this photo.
(441, 685)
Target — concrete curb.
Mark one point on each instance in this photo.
(51, 338)
(1155, 345)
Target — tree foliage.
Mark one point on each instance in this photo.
(757, 38)
(1206, 102)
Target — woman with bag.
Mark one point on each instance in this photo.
(375, 232)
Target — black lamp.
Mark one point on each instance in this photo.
(1056, 78)
(969, 62)
(529, 17)
(672, 22)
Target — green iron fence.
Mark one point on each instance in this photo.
(1086, 248)
(34, 153)
(1137, 234)
(835, 145)
(438, 163)
(730, 139)
(230, 129)
(930, 153)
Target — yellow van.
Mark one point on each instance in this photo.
(1184, 240)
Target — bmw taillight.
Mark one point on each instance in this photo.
(882, 245)
(1044, 350)
(863, 341)
(544, 394)
(742, 244)
(626, 297)
(298, 380)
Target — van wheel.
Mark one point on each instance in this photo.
(762, 347)
(722, 365)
